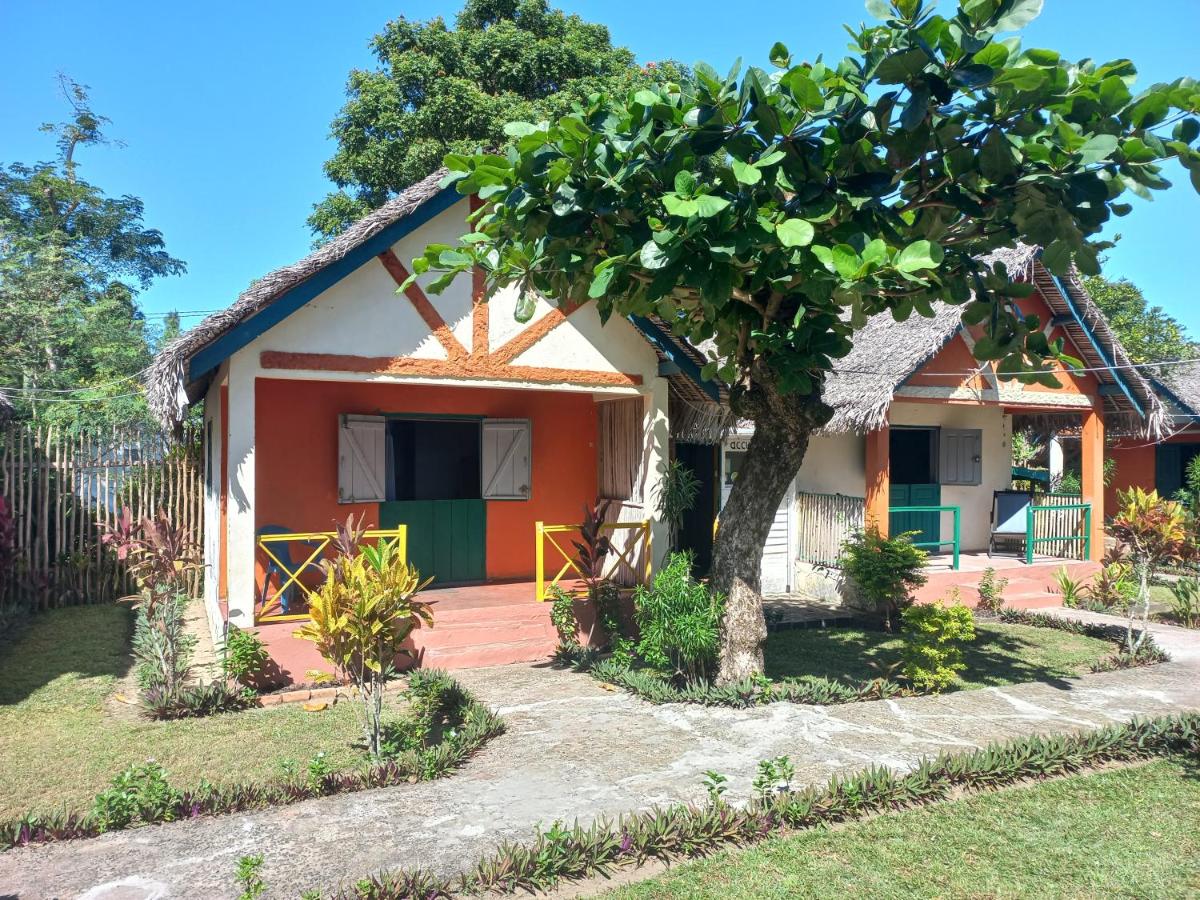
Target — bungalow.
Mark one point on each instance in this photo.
(921, 438)
(1162, 465)
(478, 441)
(440, 420)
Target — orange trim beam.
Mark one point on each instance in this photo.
(424, 308)
(526, 338)
(468, 368)
(1092, 475)
(480, 320)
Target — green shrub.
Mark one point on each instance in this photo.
(562, 616)
(991, 590)
(244, 656)
(139, 794)
(885, 570)
(1185, 601)
(933, 638)
(679, 621)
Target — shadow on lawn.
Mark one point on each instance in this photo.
(84, 641)
(995, 658)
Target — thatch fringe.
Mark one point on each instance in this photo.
(167, 381)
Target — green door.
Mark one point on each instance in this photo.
(926, 524)
(446, 538)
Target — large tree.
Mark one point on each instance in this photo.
(72, 261)
(441, 90)
(1149, 333)
(776, 212)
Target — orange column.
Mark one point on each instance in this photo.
(878, 478)
(1092, 475)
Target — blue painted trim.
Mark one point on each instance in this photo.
(667, 347)
(1108, 361)
(287, 303)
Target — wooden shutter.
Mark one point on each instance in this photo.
(960, 456)
(362, 459)
(506, 459)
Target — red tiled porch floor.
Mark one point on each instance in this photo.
(473, 625)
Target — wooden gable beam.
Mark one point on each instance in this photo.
(425, 309)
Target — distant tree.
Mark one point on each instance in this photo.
(1149, 333)
(443, 90)
(71, 263)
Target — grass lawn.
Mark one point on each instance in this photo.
(1123, 833)
(1000, 654)
(60, 746)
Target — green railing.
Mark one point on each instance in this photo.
(1031, 541)
(954, 542)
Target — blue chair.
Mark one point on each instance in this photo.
(282, 551)
(1010, 518)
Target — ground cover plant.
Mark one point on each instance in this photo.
(62, 742)
(562, 853)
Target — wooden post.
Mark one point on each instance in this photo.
(1092, 475)
(878, 478)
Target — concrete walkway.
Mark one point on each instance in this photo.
(576, 750)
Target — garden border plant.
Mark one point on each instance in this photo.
(1148, 653)
(682, 831)
(141, 794)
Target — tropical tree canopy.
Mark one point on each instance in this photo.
(773, 212)
(72, 261)
(1149, 333)
(442, 89)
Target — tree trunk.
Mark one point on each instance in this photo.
(782, 427)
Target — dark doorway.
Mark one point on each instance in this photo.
(914, 482)
(696, 533)
(435, 459)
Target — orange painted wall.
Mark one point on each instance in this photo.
(296, 455)
(1136, 464)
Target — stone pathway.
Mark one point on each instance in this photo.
(576, 750)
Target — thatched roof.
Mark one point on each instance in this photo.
(887, 352)
(169, 388)
(1181, 386)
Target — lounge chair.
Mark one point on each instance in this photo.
(1010, 518)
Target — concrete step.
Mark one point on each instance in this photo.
(464, 634)
(508, 613)
(495, 654)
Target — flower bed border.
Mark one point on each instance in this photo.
(683, 831)
(478, 725)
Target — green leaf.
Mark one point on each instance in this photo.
(880, 9)
(1023, 78)
(685, 183)
(708, 206)
(795, 233)
(1097, 148)
(846, 261)
(1019, 14)
(647, 98)
(875, 253)
(973, 76)
(779, 55)
(1186, 130)
(919, 255)
(680, 206)
(804, 89)
(746, 173)
(519, 129)
(653, 256)
(1042, 57)
(1057, 257)
(899, 67)
(915, 109)
(600, 281)
(526, 305)
(995, 157)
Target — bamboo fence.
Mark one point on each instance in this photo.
(63, 488)
(824, 522)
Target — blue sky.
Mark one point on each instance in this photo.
(224, 108)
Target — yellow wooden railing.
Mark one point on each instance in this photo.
(628, 557)
(289, 572)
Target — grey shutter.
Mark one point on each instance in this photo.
(960, 456)
(506, 459)
(362, 459)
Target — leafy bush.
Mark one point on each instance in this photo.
(159, 553)
(677, 496)
(244, 656)
(933, 637)
(139, 794)
(1114, 586)
(162, 647)
(1185, 601)
(562, 616)
(1073, 590)
(364, 612)
(885, 570)
(196, 701)
(679, 621)
(249, 877)
(991, 590)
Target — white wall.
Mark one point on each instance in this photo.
(834, 464)
(212, 509)
(240, 548)
(974, 501)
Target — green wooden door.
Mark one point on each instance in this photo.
(926, 524)
(446, 538)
